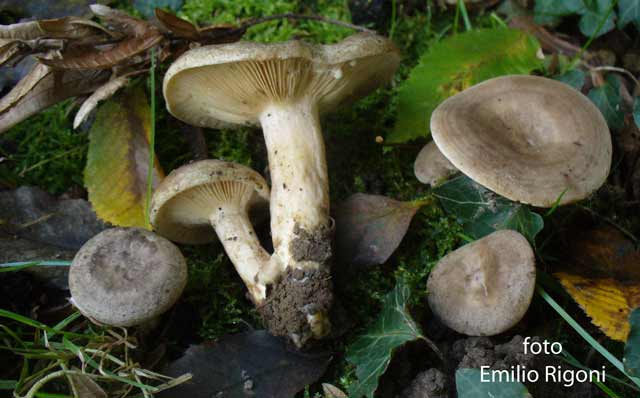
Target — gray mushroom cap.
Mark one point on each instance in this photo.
(233, 83)
(126, 276)
(485, 287)
(527, 138)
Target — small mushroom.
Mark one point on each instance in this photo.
(431, 166)
(126, 277)
(285, 87)
(527, 138)
(214, 194)
(484, 287)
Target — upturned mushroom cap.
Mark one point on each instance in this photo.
(526, 138)
(484, 287)
(126, 276)
(185, 200)
(234, 82)
(431, 166)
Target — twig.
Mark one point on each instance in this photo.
(614, 69)
(256, 21)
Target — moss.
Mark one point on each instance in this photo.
(45, 151)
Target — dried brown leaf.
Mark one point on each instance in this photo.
(60, 28)
(83, 386)
(37, 73)
(127, 23)
(50, 87)
(369, 228)
(220, 34)
(21, 31)
(105, 59)
(180, 27)
(11, 49)
(102, 93)
(548, 41)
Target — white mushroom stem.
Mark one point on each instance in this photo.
(299, 181)
(253, 263)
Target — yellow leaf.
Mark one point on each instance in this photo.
(118, 160)
(601, 275)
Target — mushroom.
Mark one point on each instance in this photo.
(431, 166)
(530, 139)
(126, 277)
(484, 287)
(285, 87)
(216, 194)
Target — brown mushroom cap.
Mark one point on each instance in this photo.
(234, 82)
(184, 201)
(484, 287)
(126, 276)
(431, 166)
(526, 138)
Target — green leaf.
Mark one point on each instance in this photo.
(608, 99)
(548, 12)
(147, 7)
(632, 348)
(8, 384)
(629, 11)
(594, 12)
(118, 159)
(574, 78)
(455, 64)
(481, 211)
(469, 384)
(371, 352)
(636, 111)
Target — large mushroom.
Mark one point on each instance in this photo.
(126, 277)
(284, 87)
(484, 287)
(528, 138)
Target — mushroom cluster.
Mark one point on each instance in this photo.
(530, 139)
(126, 277)
(284, 88)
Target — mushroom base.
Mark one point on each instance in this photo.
(298, 305)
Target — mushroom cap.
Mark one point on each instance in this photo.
(233, 83)
(484, 287)
(431, 166)
(185, 200)
(526, 138)
(126, 276)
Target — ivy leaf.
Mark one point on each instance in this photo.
(371, 352)
(481, 211)
(147, 7)
(593, 14)
(629, 11)
(548, 12)
(632, 348)
(636, 111)
(469, 384)
(574, 78)
(608, 99)
(455, 64)
(369, 228)
(118, 158)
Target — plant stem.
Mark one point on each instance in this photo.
(152, 137)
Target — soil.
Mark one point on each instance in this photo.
(312, 246)
(298, 294)
(431, 383)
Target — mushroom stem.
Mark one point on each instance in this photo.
(300, 223)
(252, 262)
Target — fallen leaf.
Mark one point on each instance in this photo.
(118, 159)
(469, 384)
(246, 364)
(103, 92)
(123, 21)
(180, 27)
(60, 28)
(481, 211)
(599, 270)
(369, 228)
(106, 58)
(371, 352)
(331, 391)
(548, 41)
(632, 348)
(454, 64)
(46, 88)
(10, 50)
